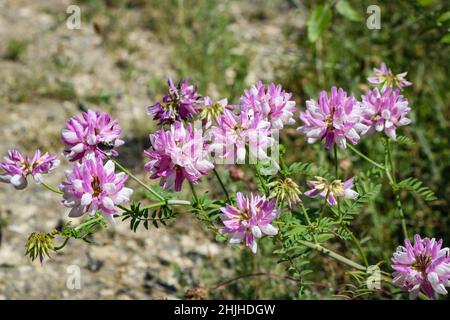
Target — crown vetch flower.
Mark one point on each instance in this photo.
(250, 219)
(18, 167)
(331, 190)
(424, 266)
(91, 133)
(335, 119)
(285, 189)
(384, 76)
(177, 154)
(384, 111)
(93, 186)
(212, 109)
(235, 132)
(180, 103)
(274, 103)
(39, 245)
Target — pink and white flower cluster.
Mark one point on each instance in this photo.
(249, 127)
(422, 267)
(250, 219)
(274, 103)
(180, 103)
(91, 133)
(384, 76)
(331, 190)
(234, 131)
(338, 118)
(384, 111)
(177, 154)
(92, 186)
(335, 119)
(18, 167)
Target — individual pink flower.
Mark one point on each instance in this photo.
(274, 103)
(91, 133)
(177, 154)
(335, 118)
(180, 103)
(424, 266)
(234, 134)
(384, 111)
(18, 167)
(250, 219)
(92, 186)
(384, 76)
(331, 190)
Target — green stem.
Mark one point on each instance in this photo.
(62, 246)
(132, 176)
(305, 213)
(332, 254)
(308, 220)
(362, 155)
(169, 202)
(355, 240)
(283, 166)
(261, 180)
(391, 178)
(389, 164)
(222, 185)
(194, 193)
(336, 168)
(346, 261)
(336, 165)
(89, 222)
(203, 215)
(402, 216)
(46, 186)
(358, 246)
(322, 210)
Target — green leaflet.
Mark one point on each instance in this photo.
(416, 186)
(319, 20)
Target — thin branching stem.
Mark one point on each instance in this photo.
(322, 210)
(308, 220)
(170, 202)
(256, 274)
(332, 254)
(387, 168)
(392, 180)
(62, 245)
(46, 186)
(222, 185)
(132, 176)
(305, 213)
(358, 247)
(89, 222)
(205, 218)
(194, 193)
(352, 235)
(336, 164)
(261, 180)
(362, 155)
(336, 174)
